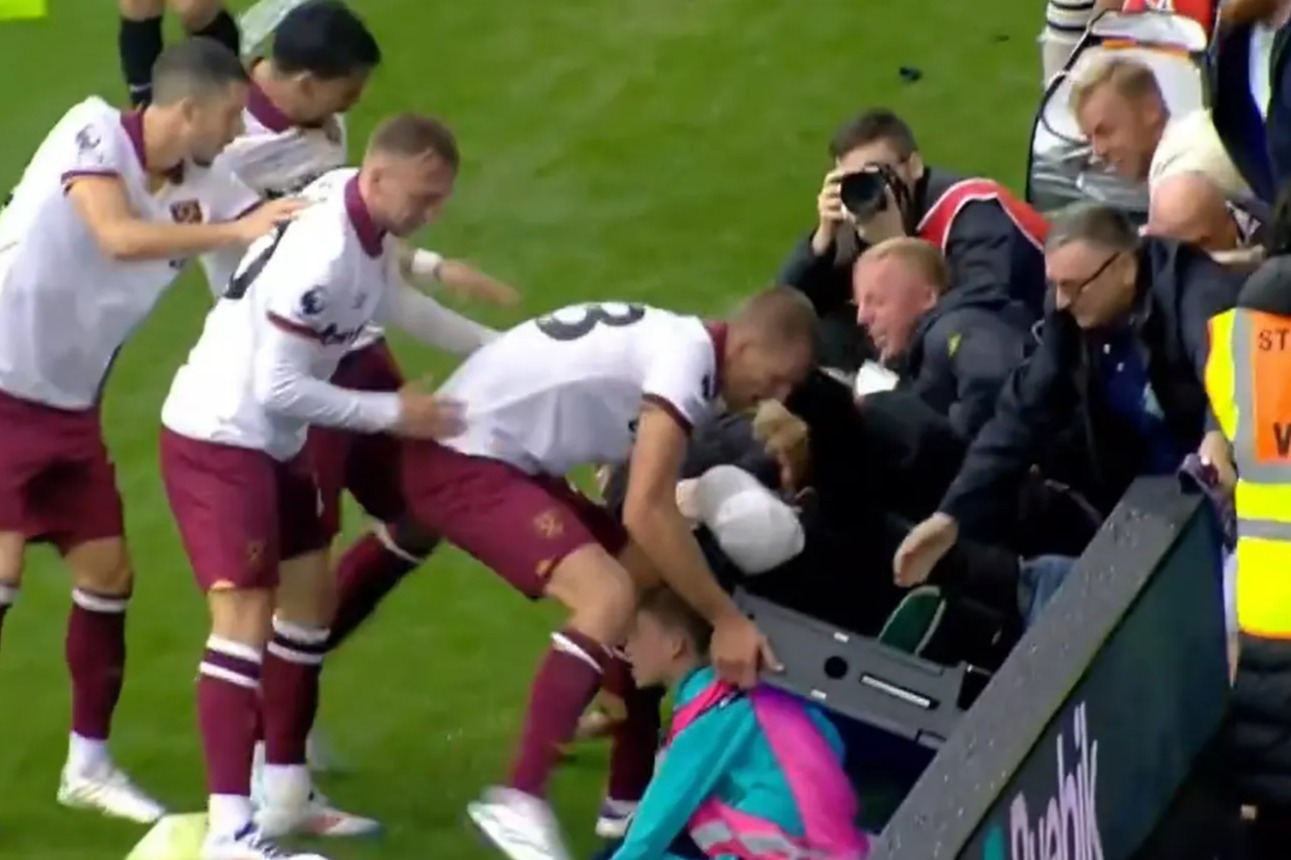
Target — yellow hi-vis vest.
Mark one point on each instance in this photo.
(1248, 378)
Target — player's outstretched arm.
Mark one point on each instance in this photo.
(432, 323)
(425, 270)
(101, 202)
(654, 521)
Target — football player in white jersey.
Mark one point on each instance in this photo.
(594, 384)
(95, 231)
(318, 62)
(235, 425)
(139, 37)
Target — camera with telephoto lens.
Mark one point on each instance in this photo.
(864, 192)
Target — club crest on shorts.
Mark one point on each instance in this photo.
(186, 212)
(255, 554)
(549, 524)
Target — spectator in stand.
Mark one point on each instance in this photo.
(952, 348)
(1123, 352)
(880, 187)
(1120, 108)
(1065, 22)
(1190, 208)
(1252, 101)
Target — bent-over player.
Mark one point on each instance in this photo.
(594, 384)
(97, 228)
(235, 424)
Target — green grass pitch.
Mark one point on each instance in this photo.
(667, 151)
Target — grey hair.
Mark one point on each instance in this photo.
(1095, 223)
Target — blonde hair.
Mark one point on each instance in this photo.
(919, 254)
(1131, 79)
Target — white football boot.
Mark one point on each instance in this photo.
(520, 825)
(292, 806)
(613, 818)
(109, 791)
(249, 844)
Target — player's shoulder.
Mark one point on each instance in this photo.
(92, 124)
(330, 185)
(319, 237)
(93, 110)
(685, 331)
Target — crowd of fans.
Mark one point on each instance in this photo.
(993, 378)
(990, 380)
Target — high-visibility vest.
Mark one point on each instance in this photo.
(1248, 378)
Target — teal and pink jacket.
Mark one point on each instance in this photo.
(750, 776)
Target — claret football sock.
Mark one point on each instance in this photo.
(224, 30)
(290, 689)
(228, 703)
(635, 737)
(565, 685)
(368, 571)
(96, 656)
(139, 44)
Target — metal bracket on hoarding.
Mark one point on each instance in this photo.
(860, 677)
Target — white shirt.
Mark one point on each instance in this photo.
(1190, 144)
(280, 159)
(66, 308)
(565, 390)
(257, 377)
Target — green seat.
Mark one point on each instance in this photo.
(912, 624)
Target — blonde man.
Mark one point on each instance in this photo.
(954, 346)
(1120, 108)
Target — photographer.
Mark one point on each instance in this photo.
(879, 188)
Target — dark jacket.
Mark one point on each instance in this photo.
(1179, 289)
(961, 353)
(1261, 709)
(1260, 148)
(985, 249)
(892, 447)
(891, 457)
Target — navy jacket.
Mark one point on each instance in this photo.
(985, 249)
(962, 352)
(1179, 289)
(1260, 148)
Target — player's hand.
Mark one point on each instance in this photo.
(486, 289)
(422, 415)
(922, 548)
(266, 216)
(786, 438)
(829, 212)
(739, 649)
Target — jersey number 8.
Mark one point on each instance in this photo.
(614, 316)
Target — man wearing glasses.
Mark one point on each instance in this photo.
(1122, 352)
